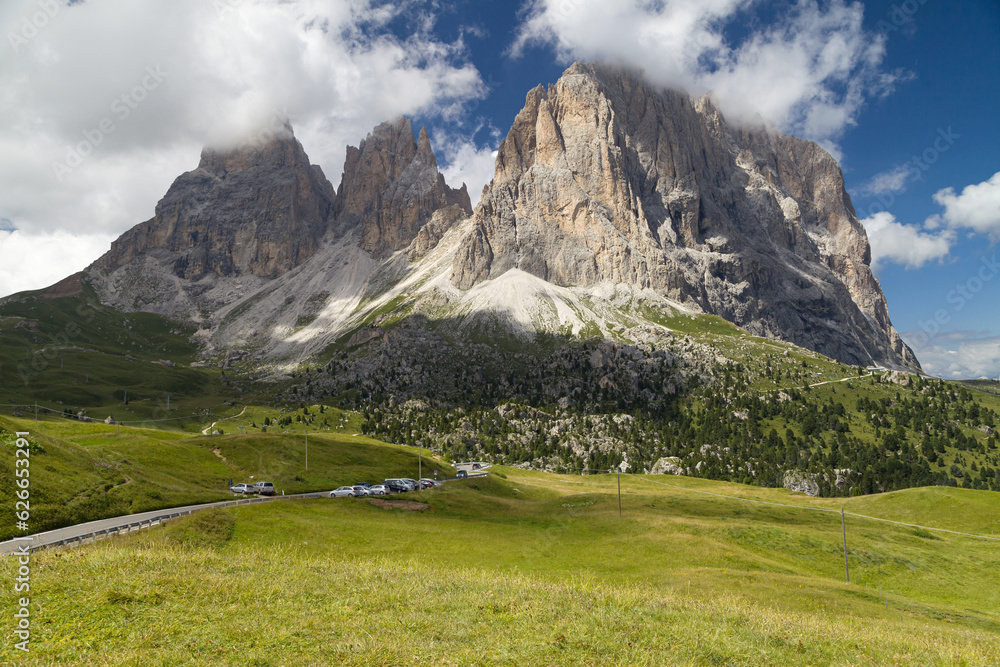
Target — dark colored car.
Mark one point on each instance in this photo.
(461, 474)
(396, 485)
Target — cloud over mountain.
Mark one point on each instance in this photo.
(808, 72)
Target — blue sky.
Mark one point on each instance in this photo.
(905, 94)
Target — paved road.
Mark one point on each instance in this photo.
(86, 532)
(83, 533)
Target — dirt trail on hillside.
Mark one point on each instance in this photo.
(211, 427)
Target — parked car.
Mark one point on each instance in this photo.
(242, 488)
(428, 482)
(414, 484)
(397, 485)
(343, 492)
(461, 474)
(364, 484)
(264, 488)
(379, 490)
(361, 491)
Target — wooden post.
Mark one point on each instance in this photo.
(843, 526)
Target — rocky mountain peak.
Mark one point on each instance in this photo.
(391, 187)
(256, 209)
(606, 178)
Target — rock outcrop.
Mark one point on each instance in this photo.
(604, 178)
(391, 187)
(260, 210)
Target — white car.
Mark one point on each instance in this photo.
(361, 491)
(343, 492)
(379, 490)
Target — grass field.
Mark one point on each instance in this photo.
(529, 568)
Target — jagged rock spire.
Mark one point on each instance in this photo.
(391, 187)
(257, 209)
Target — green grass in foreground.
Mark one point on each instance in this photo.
(532, 569)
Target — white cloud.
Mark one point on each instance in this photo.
(461, 160)
(977, 208)
(194, 73)
(31, 261)
(893, 180)
(809, 73)
(892, 241)
(957, 356)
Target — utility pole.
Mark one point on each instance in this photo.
(619, 494)
(168, 402)
(307, 449)
(420, 466)
(36, 413)
(843, 526)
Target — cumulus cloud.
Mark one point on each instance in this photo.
(957, 355)
(976, 208)
(892, 241)
(466, 161)
(103, 103)
(809, 72)
(891, 181)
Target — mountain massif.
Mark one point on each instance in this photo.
(604, 185)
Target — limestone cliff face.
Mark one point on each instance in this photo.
(391, 187)
(258, 210)
(605, 178)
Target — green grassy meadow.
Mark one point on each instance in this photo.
(86, 471)
(529, 568)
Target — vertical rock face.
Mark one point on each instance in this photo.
(605, 178)
(391, 187)
(257, 210)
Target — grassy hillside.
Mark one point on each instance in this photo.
(69, 353)
(535, 569)
(81, 472)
